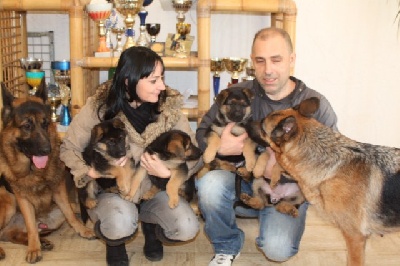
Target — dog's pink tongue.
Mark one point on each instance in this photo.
(40, 161)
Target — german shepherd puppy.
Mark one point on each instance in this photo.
(108, 142)
(234, 106)
(32, 171)
(174, 148)
(355, 185)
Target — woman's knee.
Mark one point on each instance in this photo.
(183, 229)
(118, 219)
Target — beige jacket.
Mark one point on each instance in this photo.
(78, 135)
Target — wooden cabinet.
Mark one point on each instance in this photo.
(283, 15)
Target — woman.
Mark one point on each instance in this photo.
(138, 96)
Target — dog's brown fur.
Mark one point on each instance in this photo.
(28, 134)
(174, 148)
(234, 106)
(355, 185)
(108, 143)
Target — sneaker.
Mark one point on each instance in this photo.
(223, 259)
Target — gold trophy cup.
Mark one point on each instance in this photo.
(129, 9)
(183, 29)
(181, 7)
(235, 65)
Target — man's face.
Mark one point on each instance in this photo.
(272, 62)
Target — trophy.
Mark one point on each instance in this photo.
(142, 39)
(99, 12)
(234, 65)
(153, 29)
(217, 65)
(250, 74)
(118, 31)
(62, 76)
(33, 74)
(183, 29)
(129, 9)
(181, 6)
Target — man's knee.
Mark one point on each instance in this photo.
(276, 250)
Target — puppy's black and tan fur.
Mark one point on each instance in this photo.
(33, 175)
(234, 105)
(174, 148)
(108, 143)
(354, 185)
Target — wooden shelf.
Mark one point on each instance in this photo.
(170, 62)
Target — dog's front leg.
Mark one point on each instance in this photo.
(34, 252)
(136, 179)
(249, 153)
(213, 144)
(355, 243)
(261, 164)
(177, 179)
(60, 197)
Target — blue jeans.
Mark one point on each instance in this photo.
(279, 236)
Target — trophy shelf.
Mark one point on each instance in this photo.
(169, 62)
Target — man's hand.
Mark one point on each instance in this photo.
(154, 165)
(230, 144)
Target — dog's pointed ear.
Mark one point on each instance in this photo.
(221, 97)
(41, 91)
(308, 107)
(286, 129)
(7, 108)
(117, 123)
(96, 135)
(249, 94)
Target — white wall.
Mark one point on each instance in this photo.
(347, 50)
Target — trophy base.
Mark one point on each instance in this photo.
(103, 54)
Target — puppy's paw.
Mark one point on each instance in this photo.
(287, 208)
(255, 203)
(127, 197)
(173, 202)
(87, 233)
(90, 203)
(243, 173)
(208, 157)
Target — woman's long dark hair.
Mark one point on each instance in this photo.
(134, 64)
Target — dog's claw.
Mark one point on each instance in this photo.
(46, 244)
(33, 256)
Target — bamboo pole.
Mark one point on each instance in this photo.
(76, 54)
(36, 5)
(169, 62)
(203, 46)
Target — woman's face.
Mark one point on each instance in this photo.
(149, 88)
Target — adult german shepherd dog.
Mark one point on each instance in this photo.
(33, 175)
(355, 185)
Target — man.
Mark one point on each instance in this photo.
(274, 89)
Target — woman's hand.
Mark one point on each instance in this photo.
(231, 144)
(154, 165)
(118, 162)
